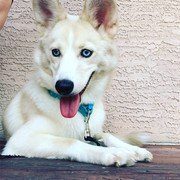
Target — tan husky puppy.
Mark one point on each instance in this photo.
(75, 58)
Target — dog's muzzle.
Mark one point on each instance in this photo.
(69, 103)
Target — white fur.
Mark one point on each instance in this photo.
(33, 122)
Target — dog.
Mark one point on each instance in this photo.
(60, 113)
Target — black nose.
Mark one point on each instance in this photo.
(64, 87)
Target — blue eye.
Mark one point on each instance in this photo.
(56, 52)
(86, 53)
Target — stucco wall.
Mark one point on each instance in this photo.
(145, 91)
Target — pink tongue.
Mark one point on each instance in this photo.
(69, 106)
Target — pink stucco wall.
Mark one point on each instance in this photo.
(145, 91)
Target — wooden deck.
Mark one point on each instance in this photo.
(166, 165)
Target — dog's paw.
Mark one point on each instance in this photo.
(8, 152)
(143, 155)
(140, 154)
(118, 157)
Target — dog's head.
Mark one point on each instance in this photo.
(76, 54)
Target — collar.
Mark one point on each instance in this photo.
(84, 109)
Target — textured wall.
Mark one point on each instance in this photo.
(145, 92)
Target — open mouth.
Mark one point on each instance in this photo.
(69, 105)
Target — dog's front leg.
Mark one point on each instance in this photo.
(38, 138)
(109, 140)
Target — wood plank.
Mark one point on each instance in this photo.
(165, 154)
(166, 165)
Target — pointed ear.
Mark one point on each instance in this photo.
(101, 13)
(48, 12)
